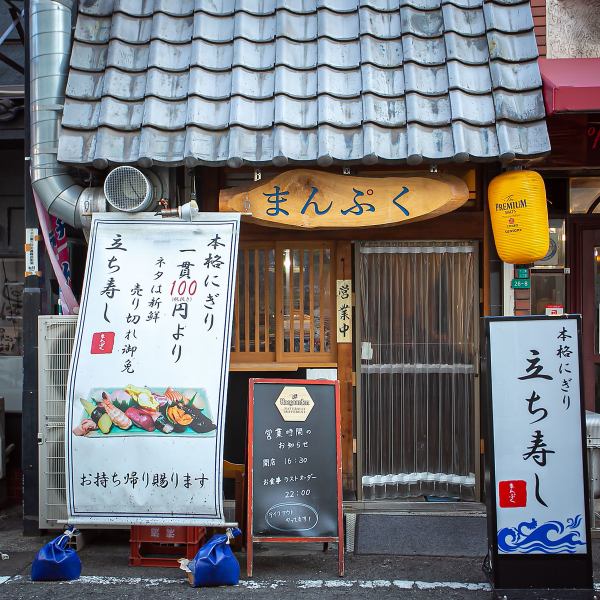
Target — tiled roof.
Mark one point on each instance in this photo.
(278, 81)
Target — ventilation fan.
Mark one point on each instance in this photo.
(130, 190)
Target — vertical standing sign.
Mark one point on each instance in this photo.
(294, 464)
(344, 310)
(148, 379)
(538, 518)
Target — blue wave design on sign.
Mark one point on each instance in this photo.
(547, 538)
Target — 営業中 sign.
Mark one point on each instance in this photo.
(148, 380)
(294, 463)
(537, 504)
(343, 309)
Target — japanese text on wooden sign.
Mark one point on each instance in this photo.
(148, 379)
(315, 199)
(537, 436)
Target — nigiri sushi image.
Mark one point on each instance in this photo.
(175, 396)
(97, 414)
(117, 416)
(143, 397)
(85, 427)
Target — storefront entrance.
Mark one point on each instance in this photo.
(417, 352)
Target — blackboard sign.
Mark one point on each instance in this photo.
(294, 465)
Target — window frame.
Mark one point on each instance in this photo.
(282, 359)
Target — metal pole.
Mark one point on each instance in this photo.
(31, 311)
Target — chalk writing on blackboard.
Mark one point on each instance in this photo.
(292, 517)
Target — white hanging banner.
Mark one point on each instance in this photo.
(537, 436)
(147, 386)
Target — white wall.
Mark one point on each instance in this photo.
(573, 28)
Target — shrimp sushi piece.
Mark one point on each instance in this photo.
(117, 416)
(174, 396)
(85, 427)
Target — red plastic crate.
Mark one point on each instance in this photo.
(163, 545)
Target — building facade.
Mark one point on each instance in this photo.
(218, 99)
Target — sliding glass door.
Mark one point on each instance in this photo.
(417, 311)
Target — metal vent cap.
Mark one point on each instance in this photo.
(128, 189)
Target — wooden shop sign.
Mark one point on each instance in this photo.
(303, 198)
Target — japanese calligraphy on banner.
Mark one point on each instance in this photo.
(537, 436)
(148, 379)
(302, 198)
(344, 310)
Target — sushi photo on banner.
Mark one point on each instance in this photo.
(147, 387)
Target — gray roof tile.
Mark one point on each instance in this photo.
(516, 76)
(424, 51)
(382, 110)
(520, 108)
(476, 109)
(385, 25)
(421, 4)
(103, 7)
(512, 47)
(342, 84)
(428, 110)
(383, 82)
(509, 19)
(469, 50)
(465, 3)
(283, 81)
(466, 22)
(382, 5)
(470, 78)
(93, 29)
(426, 24)
(88, 57)
(432, 81)
(474, 142)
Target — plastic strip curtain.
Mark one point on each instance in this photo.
(418, 356)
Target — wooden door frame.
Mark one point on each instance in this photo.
(576, 228)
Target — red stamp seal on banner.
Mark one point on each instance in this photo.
(103, 342)
(512, 493)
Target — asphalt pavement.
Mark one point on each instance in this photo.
(280, 571)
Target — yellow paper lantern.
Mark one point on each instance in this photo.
(517, 202)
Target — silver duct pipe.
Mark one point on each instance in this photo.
(50, 49)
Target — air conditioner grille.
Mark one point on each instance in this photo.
(56, 336)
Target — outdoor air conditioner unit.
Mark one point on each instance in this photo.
(56, 335)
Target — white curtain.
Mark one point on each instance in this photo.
(418, 363)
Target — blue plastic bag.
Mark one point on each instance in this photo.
(55, 562)
(215, 564)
